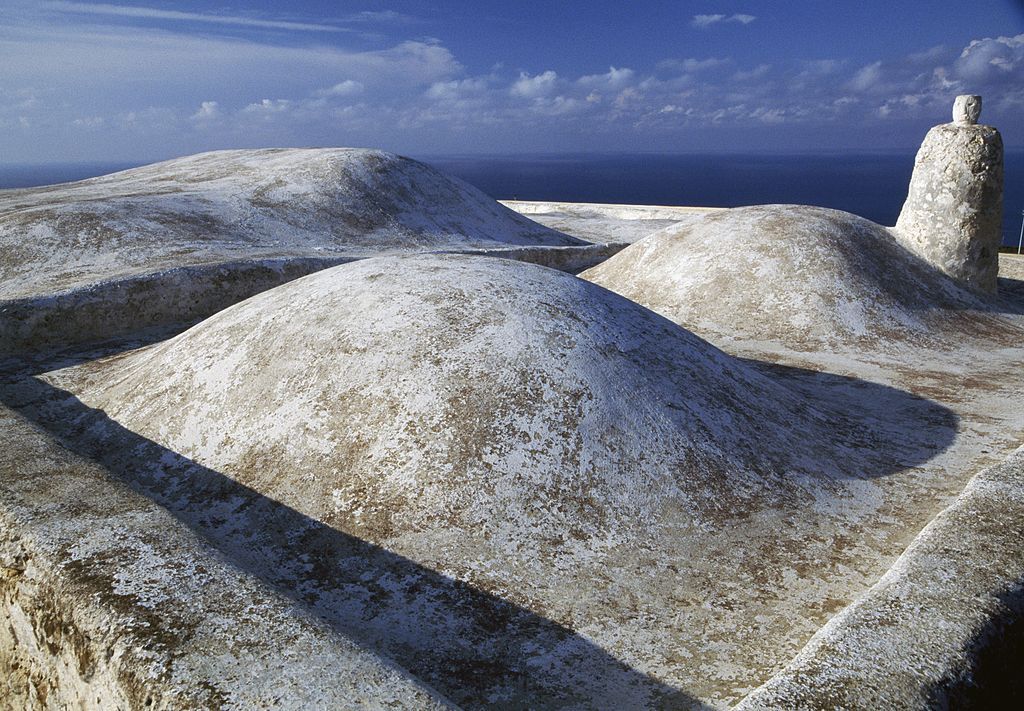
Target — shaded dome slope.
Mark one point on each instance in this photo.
(805, 277)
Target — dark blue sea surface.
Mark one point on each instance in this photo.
(871, 185)
(30, 175)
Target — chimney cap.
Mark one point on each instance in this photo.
(966, 109)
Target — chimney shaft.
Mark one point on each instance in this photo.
(954, 208)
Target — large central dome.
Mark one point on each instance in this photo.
(515, 428)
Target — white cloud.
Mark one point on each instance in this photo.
(379, 16)
(269, 107)
(103, 63)
(127, 84)
(208, 111)
(532, 87)
(699, 65)
(692, 65)
(456, 89)
(702, 22)
(557, 106)
(343, 88)
(151, 13)
(866, 77)
(612, 80)
(628, 97)
(989, 58)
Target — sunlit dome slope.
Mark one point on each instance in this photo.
(525, 431)
(243, 204)
(805, 277)
(395, 395)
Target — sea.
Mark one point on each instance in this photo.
(873, 185)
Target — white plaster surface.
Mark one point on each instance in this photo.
(559, 447)
(448, 478)
(174, 242)
(606, 223)
(226, 206)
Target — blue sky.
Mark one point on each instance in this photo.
(147, 80)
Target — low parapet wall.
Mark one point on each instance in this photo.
(938, 629)
(107, 601)
(611, 210)
(188, 294)
(120, 306)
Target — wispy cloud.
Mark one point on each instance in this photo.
(702, 22)
(152, 13)
(379, 16)
(208, 111)
(139, 91)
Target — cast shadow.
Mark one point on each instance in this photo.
(473, 647)
(1011, 292)
(995, 655)
(886, 429)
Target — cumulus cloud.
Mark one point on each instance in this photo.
(702, 22)
(457, 89)
(866, 77)
(343, 88)
(612, 80)
(991, 58)
(269, 107)
(533, 87)
(208, 111)
(217, 93)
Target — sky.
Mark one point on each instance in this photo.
(140, 81)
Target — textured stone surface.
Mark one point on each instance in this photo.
(548, 443)
(954, 209)
(605, 223)
(177, 241)
(926, 633)
(804, 277)
(516, 488)
(108, 602)
(966, 110)
(827, 290)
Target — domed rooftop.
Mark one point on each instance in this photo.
(230, 205)
(525, 432)
(804, 277)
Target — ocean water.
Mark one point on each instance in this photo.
(871, 185)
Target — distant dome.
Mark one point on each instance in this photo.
(174, 242)
(806, 277)
(224, 205)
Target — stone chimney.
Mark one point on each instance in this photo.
(954, 209)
